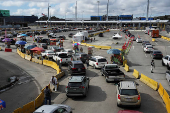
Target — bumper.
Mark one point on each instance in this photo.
(115, 79)
(78, 73)
(129, 104)
(74, 94)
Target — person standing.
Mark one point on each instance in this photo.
(47, 95)
(87, 63)
(81, 49)
(94, 39)
(152, 65)
(53, 81)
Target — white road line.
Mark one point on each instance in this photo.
(133, 47)
(145, 55)
(156, 43)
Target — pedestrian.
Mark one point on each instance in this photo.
(94, 39)
(87, 63)
(47, 95)
(91, 39)
(53, 81)
(152, 65)
(81, 49)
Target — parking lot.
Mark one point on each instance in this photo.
(101, 96)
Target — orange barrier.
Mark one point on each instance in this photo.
(18, 110)
(161, 90)
(28, 57)
(22, 55)
(135, 73)
(39, 100)
(165, 97)
(29, 108)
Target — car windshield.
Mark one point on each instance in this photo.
(63, 55)
(51, 52)
(78, 66)
(149, 47)
(74, 84)
(157, 52)
(102, 60)
(111, 67)
(128, 92)
(84, 55)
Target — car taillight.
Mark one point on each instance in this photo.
(67, 86)
(96, 63)
(124, 75)
(80, 57)
(47, 54)
(118, 96)
(162, 54)
(83, 68)
(61, 60)
(154, 54)
(138, 97)
(146, 48)
(81, 87)
(107, 62)
(73, 68)
(71, 59)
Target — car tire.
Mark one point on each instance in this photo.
(85, 93)
(168, 67)
(107, 80)
(67, 96)
(118, 105)
(163, 63)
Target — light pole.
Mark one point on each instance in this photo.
(98, 14)
(65, 19)
(150, 16)
(82, 20)
(48, 11)
(121, 18)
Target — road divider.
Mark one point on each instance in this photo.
(28, 57)
(148, 81)
(106, 47)
(136, 73)
(126, 68)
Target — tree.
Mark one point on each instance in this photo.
(43, 18)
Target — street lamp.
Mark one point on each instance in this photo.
(48, 11)
(65, 19)
(150, 16)
(98, 14)
(121, 18)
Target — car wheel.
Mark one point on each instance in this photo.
(168, 67)
(94, 66)
(85, 94)
(163, 63)
(67, 96)
(118, 105)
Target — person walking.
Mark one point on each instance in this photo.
(47, 95)
(53, 81)
(87, 63)
(152, 65)
(94, 39)
(81, 49)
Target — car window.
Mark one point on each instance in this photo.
(166, 57)
(102, 60)
(78, 66)
(128, 92)
(50, 52)
(62, 55)
(59, 110)
(157, 52)
(74, 84)
(149, 47)
(111, 67)
(84, 55)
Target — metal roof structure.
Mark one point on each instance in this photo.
(129, 21)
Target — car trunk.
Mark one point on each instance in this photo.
(78, 68)
(102, 62)
(75, 87)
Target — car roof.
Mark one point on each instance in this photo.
(76, 78)
(127, 85)
(49, 51)
(149, 46)
(77, 62)
(110, 64)
(48, 108)
(156, 51)
(97, 57)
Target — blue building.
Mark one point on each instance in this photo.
(96, 18)
(144, 18)
(125, 17)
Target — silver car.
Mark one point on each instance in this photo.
(55, 108)
(127, 94)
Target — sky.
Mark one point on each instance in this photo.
(85, 8)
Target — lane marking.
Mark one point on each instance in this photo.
(156, 43)
(133, 47)
(145, 54)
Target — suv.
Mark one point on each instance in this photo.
(127, 94)
(148, 48)
(166, 61)
(80, 56)
(97, 61)
(76, 67)
(77, 86)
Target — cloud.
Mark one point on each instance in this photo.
(12, 3)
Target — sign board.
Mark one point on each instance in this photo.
(4, 13)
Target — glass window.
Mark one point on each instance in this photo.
(78, 66)
(74, 84)
(111, 67)
(102, 60)
(62, 55)
(166, 57)
(128, 92)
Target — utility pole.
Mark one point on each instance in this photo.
(76, 12)
(107, 10)
(147, 10)
(98, 14)
(48, 11)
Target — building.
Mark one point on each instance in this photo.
(125, 17)
(144, 18)
(96, 18)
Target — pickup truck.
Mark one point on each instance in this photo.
(112, 73)
(62, 57)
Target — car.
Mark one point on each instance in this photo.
(77, 86)
(97, 61)
(45, 40)
(80, 56)
(133, 37)
(166, 61)
(45, 26)
(43, 32)
(156, 54)
(148, 48)
(111, 72)
(70, 35)
(43, 45)
(100, 34)
(139, 40)
(167, 74)
(55, 48)
(70, 52)
(37, 33)
(47, 53)
(76, 68)
(144, 42)
(128, 111)
(61, 37)
(127, 94)
(55, 108)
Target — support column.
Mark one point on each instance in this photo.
(139, 25)
(133, 24)
(4, 21)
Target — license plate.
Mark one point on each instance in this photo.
(79, 69)
(128, 99)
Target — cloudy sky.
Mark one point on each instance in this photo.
(85, 8)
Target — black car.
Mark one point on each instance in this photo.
(70, 35)
(43, 32)
(47, 41)
(76, 67)
(37, 33)
(156, 54)
(61, 37)
(100, 34)
(81, 56)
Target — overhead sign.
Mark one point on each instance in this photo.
(4, 13)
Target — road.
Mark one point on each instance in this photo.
(101, 96)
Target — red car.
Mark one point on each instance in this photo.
(128, 111)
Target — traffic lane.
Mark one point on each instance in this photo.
(139, 60)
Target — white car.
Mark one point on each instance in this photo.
(48, 53)
(168, 76)
(97, 61)
(55, 108)
(166, 61)
(139, 40)
(148, 48)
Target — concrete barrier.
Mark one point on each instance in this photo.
(97, 47)
(124, 62)
(168, 106)
(144, 78)
(39, 100)
(28, 57)
(18, 110)
(22, 55)
(106, 47)
(29, 108)
(83, 44)
(165, 97)
(135, 73)
(153, 40)
(161, 90)
(126, 68)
